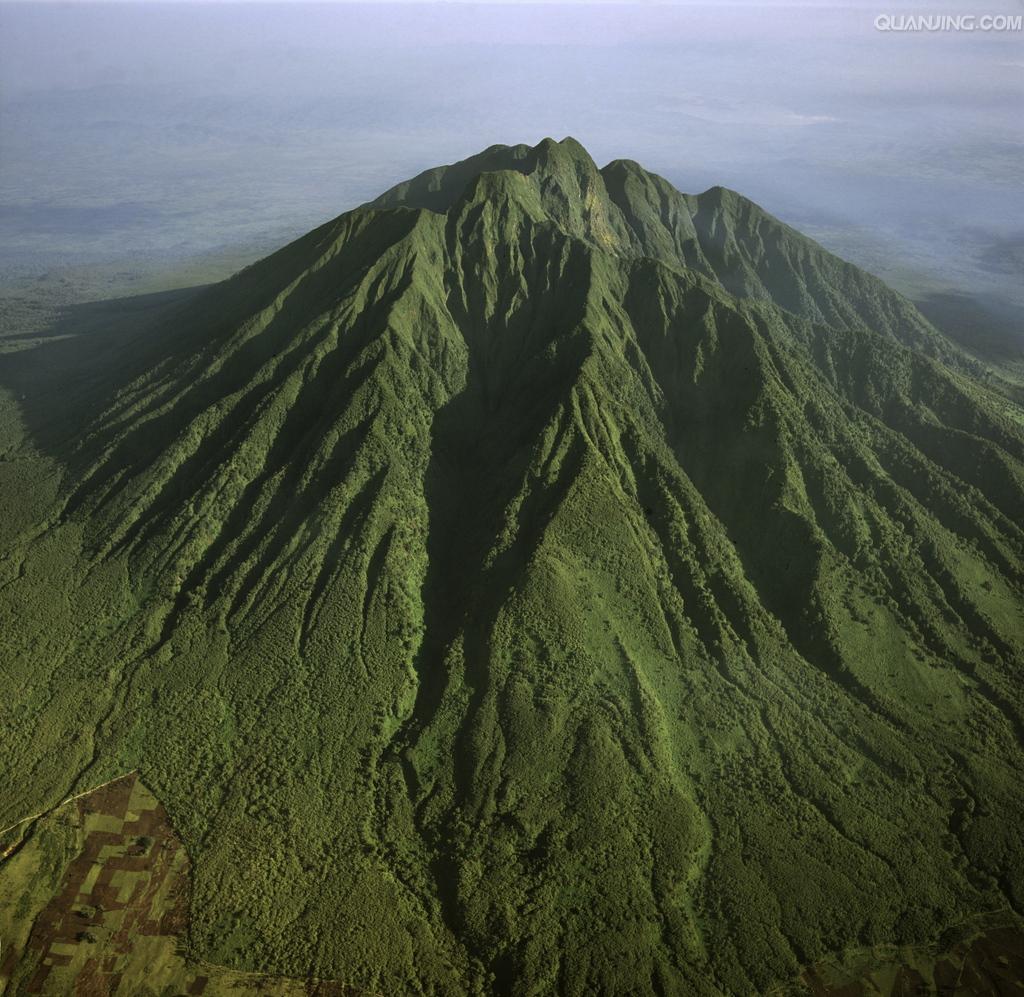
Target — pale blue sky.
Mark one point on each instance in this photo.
(162, 130)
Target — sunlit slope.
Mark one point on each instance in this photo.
(719, 233)
(539, 581)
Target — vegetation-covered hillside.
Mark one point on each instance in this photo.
(534, 581)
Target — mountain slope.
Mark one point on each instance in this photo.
(538, 580)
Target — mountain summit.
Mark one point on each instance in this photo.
(536, 580)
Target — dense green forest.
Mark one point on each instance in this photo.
(534, 581)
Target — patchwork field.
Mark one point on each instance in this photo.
(94, 899)
(982, 958)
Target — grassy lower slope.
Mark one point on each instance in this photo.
(502, 603)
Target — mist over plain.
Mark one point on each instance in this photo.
(161, 132)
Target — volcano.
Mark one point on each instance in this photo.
(536, 580)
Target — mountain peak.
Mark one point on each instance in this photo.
(567, 146)
(626, 210)
(438, 188)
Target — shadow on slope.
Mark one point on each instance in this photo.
(63, 372)
(990, 329)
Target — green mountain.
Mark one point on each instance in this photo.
(534, 581)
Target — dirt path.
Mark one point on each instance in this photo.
(63, 803)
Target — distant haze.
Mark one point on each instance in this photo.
(159, 131)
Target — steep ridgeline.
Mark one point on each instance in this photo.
(538, 581)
